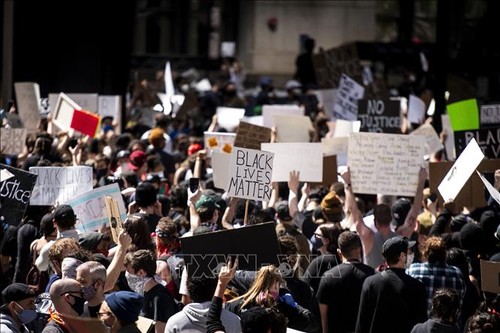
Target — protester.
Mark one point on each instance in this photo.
(120, 311)
(18, 308)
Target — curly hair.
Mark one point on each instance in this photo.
(434, 250)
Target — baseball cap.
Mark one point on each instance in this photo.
(399, 211)
(206, 202)
(17, 292)
(64, 213)
(137, 160)
(395, 245)
(283, 212)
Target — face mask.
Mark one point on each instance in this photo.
(26, 316)
(136, 282)
(409, 259)
(109, 326)
(79, 304)
(89, 292)
(101, 173)
(316, 242)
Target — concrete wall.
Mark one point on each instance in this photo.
(331, 23)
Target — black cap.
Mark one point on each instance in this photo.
(400, 210)
(283, 212)
(64, 213)
(145, 194)
(395, 245)
(255, 319)
(17, 292)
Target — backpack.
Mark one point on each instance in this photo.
(36, 279)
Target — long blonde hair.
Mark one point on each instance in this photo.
(266, 277)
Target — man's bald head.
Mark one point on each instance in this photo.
(62, 294)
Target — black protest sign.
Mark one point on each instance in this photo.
(251, 136)
(379, 115)
(16, 186)
(250, 174)
(254, 245)
(488, 140)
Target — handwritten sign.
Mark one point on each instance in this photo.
(488, 140)
(85, 122)
(490, 114)
(268, 112)
(28, 104)
(346, 102)
(251, 136)
(60, 184)
(250, 174)
(16, 188)
(461, 171)
(90, 207)
(432, 142)
(12, 140)
(219, 141)
(381, 116)
(385, 163)
(305, 157)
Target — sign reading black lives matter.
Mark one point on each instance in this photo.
(488, 139)
(250, 173)
(380, 116)
(16, 186)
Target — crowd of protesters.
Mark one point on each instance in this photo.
(356, 263)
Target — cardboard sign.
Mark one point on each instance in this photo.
(219, 141)
(251, 136)
(63, 112)
(449, 143)
(85, 122)
(329, 171)
(229, 118)
(490, 114)
(346, 102)
(60, 184)
(461, 171)
(254, 245)
(490, 276)
(90, 207)
(488, 140)
(28, 104)
(464, 115)
(83, 324)
(305, 157)
(12, 140)
(268, 112)
(16, 188)
(432, 142)
(220, 167)
(381, 116)
(292, 128)
(472, 193)
(416, 110)
(385, 163)
(114, 218)
(250, 173)
(337, 147)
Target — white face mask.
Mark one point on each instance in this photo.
(136, 282)
(409, 259)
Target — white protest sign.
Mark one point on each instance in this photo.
(449, 143)
(490, 114)
(219, 141)
(268, 112)
(87, 102)
(60, 184)
(63, 112)
(345, 127)
(250, 173)
(28, 104)
(305, 157)
(461, 171)
(90, 207)
(491, 189)
(12, 140)
(109, 106)
(416, 110)
(432, 142)
(346, 101)
(385, 163)
(291, 128)
(254, 120)
(336, 146)
(220, 167)
(327, 98)
(229, 118)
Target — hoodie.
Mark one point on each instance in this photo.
(193, 318)
(435, 326)
(8, 324)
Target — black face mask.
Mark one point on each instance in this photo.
(79, 304)
(230, 93)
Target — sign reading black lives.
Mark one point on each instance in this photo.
(488, 139)
(16, 186)
(379, 115)
(254, 245)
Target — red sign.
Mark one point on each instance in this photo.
(85, 122)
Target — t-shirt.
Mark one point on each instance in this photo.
(159, 305)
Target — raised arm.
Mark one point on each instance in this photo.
(410, 223)
(293, 188)
(116, 265)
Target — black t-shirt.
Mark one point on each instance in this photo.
(94, 310)
(8, 247)
(317, 267)
(159, 305)
(26, 234)
(340, 289)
